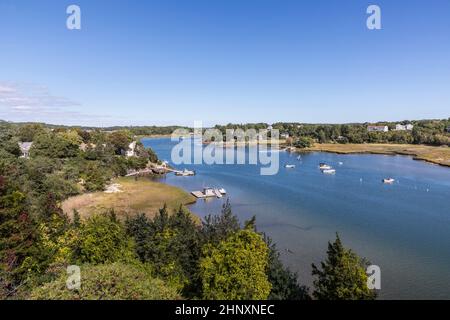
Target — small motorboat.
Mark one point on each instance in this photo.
(222, 191)
(341, 163)
(218, 193)
(290, 166)
(185, 173)
(329, 171)
(388, 181)
(324, 166)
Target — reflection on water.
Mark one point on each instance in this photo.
(404, 228)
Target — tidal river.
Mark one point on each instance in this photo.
(404, 228)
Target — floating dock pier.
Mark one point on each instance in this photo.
(209, 193)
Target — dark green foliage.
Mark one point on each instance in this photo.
(120, 140)
(18, 237)
(303, 142)
(342, 276)
(170, 243)
(431, 132)
(102, 239)
(28, 132)
(53, 145)
(219, 227)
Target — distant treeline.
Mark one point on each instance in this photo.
(135, 130)
(430, 132)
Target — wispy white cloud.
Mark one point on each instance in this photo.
(30, 102)
(34, 97)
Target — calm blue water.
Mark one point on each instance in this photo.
(404, 228)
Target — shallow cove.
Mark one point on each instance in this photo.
(404, 228)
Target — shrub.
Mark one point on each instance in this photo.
(115, 281)
(103, 240)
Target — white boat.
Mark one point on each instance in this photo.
(299, 158)
(324, 166)
(209, 192)
(185, 173)
(341, 163)
(222, 191)
(388, 181)
(217, 193)
(290, 166)
(329, 171)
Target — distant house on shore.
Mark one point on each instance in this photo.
(25, 148)
(284, 135)
(131, 152)
(378, 128)
(406, 127)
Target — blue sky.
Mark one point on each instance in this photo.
(172, 62)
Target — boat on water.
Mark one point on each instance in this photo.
(324, 166)
(388, 181)
(185, 173)
(290, 166)
(329, 171)
(222, 191)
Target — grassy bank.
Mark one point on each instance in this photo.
(436, 155)
(141, 196)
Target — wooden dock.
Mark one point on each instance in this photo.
(198, 194)
(208, 193)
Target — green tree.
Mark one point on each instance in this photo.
(303, 142)
(120, 140)
(53, 145)
(28, 132)
(236, 268)
(342, 276)
(171, 244)
(18, 237)
(216, 228)
(115, 281)
(103, 240)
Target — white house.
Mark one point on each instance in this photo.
(378, 128)
(25, 148)
(284, 135)
(131, 152)
(406, 127)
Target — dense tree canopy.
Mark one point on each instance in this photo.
(342, 276)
